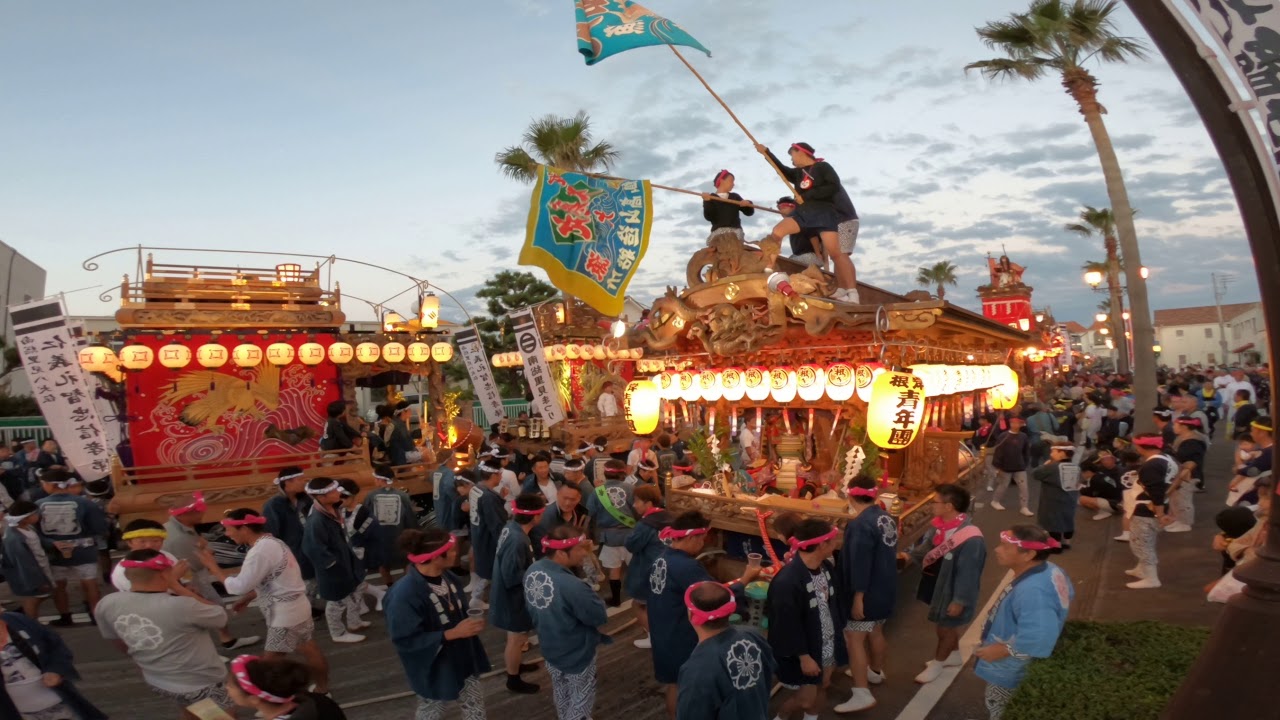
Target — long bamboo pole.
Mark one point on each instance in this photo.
(686, 191)
(744, 129)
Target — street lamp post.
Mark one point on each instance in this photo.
(1114, 291)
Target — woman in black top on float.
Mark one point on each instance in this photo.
(825, 209)
(725, 213)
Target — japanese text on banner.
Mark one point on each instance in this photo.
(486, 390)
(1250, 34)
(546, 395)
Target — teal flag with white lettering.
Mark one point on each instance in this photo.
(608, 27)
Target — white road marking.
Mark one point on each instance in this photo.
(927, 697)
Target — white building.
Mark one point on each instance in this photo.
(21, 281)
(1194, 335)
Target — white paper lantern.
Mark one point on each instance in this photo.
(311, 353)
(811, 382)
(733, 385)
(840, 382)
(280, 353)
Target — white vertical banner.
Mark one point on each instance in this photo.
(1249, 33)
(106, 410)
(477, 362)
(546, 397)
(1067, 360)
(52, 363)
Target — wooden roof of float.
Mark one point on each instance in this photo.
(221, 298)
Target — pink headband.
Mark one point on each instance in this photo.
(798, 545)
(240, 669)
(518, 511)
(721, 175)
(673, 534)
(158, 563)
(862, 492)
(197, 505)
(549, 544)
(429, 556)
(1049, 544)
(1149, 442)
(246, 520)
(702, 617)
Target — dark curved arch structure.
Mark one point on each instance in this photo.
(1230, 679)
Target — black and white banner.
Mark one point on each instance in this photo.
(546, 395)
(1249, 32)
(477, 362)
(51, 360)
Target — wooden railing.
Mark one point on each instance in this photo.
(260, 467)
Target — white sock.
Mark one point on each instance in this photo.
(377, 591)
(810, 716)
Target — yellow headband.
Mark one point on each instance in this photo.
(1259, 425)
(145, 533)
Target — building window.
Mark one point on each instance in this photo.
(1208, 332)
(1212, 359)
(1178, 333)
(1182, 359)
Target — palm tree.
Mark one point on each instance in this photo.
(1061, 38)
(562, 142)
(940, 274)
(1100, 221)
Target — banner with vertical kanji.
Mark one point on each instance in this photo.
(546, 394)
(589, 234)
(51, 360)
(477, 361)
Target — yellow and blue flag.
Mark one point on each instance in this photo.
(608, 27)
(589, 234)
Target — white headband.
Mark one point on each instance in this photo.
(15, 520)
(286, 478)
(488, 469)
(326, 489)
(383, 478)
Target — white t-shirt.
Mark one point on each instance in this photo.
(121, 583)
(270, 569)
(747, 440)
(549, 490)
(1230, 392)
(635, 456)
(1222, 381)
(607, 404)
(511, 485)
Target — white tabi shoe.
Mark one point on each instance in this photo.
(359, 626)
(932, 671)
(1026, 512)
(1122, 537)
(953, 660)
(996, 506)
(1135, 571)
(348, 637)
(861, 699)
(875, 678)
(643, 643)
(1148, 581)
(1177, 527)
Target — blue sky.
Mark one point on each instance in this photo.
(368, 130)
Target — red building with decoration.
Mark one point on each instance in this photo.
(1006, 299)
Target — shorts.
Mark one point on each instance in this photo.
(287, 639)
(791, 677)
(83, 573)
(862, 626)
(735, 232)
(217, 693)
(816, 217)
(614, 557)
(809, 258)
(848, 235)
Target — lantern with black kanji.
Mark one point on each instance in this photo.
(643, 406)
(840, 383)
(732, 385)
(895, 410)
(811, 382)
(782, 384)
(756, 380)
(709, 386)
(689, 390)
(864, 376)
(1004, 395)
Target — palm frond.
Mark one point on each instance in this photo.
(1008, 69)
(1084, 230)
(516, 163)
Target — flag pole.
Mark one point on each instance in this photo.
(727, 109)
(686, 191)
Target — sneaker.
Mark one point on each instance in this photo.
(875, 678)
(1122, 537)
(348, 637)
(953, 660)
(996, 506)
(644, 643)
(861, 699)
(932, 671)
(1177, 527)
(1026, 512)
(1145, 583)
(237, 643)
(359, 625)
(1135, 571)
(1102, 515)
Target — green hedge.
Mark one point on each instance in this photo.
(1108, 671)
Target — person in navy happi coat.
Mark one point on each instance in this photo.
(730, 674)
(673, 572)
(488, 517)
(394, 510)
(569, 617)
(869, 586)
(43, 648)
(338, 572)
(506, 600)
(800, 610)
(444, 494)
(286, 513)
(438, 645)
(645, 546)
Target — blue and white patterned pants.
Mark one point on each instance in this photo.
(471, 699)
(575, 695)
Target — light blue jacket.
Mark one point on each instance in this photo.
(1028, 617)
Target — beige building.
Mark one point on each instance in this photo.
(1198, 336)
(21, 281)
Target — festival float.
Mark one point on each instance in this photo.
(221, 376)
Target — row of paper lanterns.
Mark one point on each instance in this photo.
(98, 358)
(571, 352)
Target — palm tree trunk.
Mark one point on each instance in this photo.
(1116, 305)
(942, 293)
(1084, 89)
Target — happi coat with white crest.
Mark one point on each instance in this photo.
(1059, 495)
(286, 520)
(673, 638)
(325, 544)
(394, 511)
(488, 517)
(868, 565)
(645, 547)
(953, 578)
(795, 621)
(418, 615)
(728, 677)
(507, 610)
(568, 615)
(1028, 615)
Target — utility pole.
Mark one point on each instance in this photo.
(1219, 292)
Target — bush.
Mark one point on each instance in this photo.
(1108, 671)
